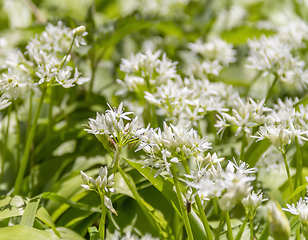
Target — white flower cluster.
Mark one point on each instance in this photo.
(101, 185)
(161, 8)
(143, 72)
(110, 127)
(245, 116)
(229, 19)
(46, 56)
(190, 99)
(272, 55)
(285, 124)
(213, 56)
(230, 185)
(171, 145)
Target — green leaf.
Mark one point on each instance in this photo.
(165, 186)
(93, 232)
(68, 234)
(22, 232)
(57, 198)
(30, 211)
(44, 216)
(241, 34)
(11, 206)
(255, 150)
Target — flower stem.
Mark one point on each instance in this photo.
(271, 88)
(240, 232)
(30, 138)
(17, 136)
(103, 219)
(181, 203)
(229, 231)
(289, 175)
(200, 208)
(4, 146)
(244, 143)
(138, 199)
(299, 165)
(251, 228)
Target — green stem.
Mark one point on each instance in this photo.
(298, 234)
(240, 233)
(17, 137)
(200, 208)
(289, 175)
(30, 138)
(244, 143)
(50, 120)
(4, 146)
(271, 88)
(103, 220)
(229, 231)
(299, 165)
(218, 230)
(138, 199)
(30, 113)
(181, 203)
(251, 228)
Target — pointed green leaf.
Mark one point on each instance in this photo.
(30, 212)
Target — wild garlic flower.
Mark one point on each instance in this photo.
(143, 72)
(270, 54)
(253, 201)
(214, 55)
(300, 210)
(4, 103)
(294, 33)
(187, 101)
(13, 85)
(229, 186)
(171, 145)
(245, 115)
(109, 128)
(279, 226)
(229, 19)
(101, 185)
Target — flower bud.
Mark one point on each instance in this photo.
(279, 225)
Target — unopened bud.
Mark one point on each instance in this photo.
(279, 225)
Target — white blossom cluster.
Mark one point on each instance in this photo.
(110, 127)
(45, 61)
(245, 116)
(161, 8)
(143, 72)
(171, 145)
(212, 57)
(285, 124)
(272, 55)
(101, 185)
(188, 100)
(229, 19)
(230, 185)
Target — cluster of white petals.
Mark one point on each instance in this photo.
(102, 185)
(271, 54)
(230, 185)
(111, 127)
(188, 100)
(244, 115)
(143, 72)
(301, 210)
(212, 57)
(171, 145)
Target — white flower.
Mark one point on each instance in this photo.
(4, 103)
(253, 200)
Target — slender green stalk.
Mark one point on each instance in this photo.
(298, 234)
(251, 83)
(299, 165)
(103, 220)
(50, 120)
(17, 136)
(244, 144)
(240, 232)
(138, 199)
(4, 146)
(229, 231)
(181, 203)
(289, 175)
(200, 208)
(29, 141)
(218, 230)
(271, 88)
(29, 113)
(251, 228)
